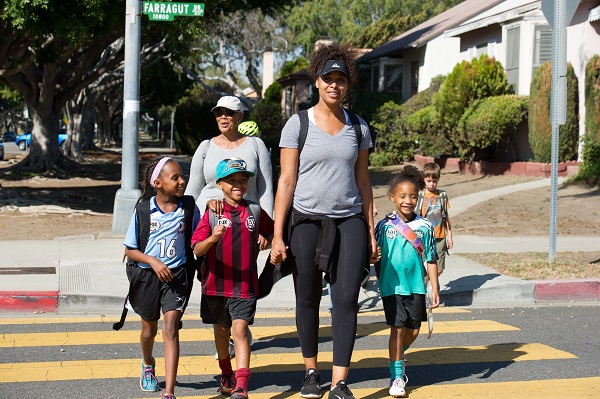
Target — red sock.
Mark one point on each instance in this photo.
(241, 378)
(225, 366)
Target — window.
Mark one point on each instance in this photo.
(542, 47)
(375, 77)
(513, 40)
(393, 78)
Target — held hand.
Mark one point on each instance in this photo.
(263, 243)
(163, 273)
(216, 206)
(275, 259)
(278, 251)
(375, 250)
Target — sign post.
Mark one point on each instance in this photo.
(128, 194)
(558, 13)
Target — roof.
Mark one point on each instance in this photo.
(432, 28)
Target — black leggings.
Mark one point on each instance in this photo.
(348, 259)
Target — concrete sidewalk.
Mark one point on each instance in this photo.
(87, 275)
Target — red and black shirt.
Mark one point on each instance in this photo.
(230, 268)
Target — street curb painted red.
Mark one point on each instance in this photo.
(567, 290)
(28, 301)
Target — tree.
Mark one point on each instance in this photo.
(232, 48)
(49, 61)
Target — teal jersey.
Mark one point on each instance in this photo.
(402, 269)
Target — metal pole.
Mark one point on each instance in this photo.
(172, 123)
(128, 194)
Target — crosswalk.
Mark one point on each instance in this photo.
(81, 357)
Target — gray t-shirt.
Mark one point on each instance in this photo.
(203, 185)
(326, 182)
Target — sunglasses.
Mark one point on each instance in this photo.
(223, 111)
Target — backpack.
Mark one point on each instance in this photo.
(142, 213)
(443, 197)
(303, 115)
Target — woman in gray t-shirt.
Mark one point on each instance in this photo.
(325, 193)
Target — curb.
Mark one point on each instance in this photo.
(29, 301)
(567, 290)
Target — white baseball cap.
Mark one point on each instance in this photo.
(229, 102)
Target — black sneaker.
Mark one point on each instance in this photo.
(341, 391)
(311, 388)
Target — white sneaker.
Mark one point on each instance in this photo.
(232, 346)
(397, 387)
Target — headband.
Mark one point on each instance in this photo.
(157, 170)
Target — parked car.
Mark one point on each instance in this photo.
(10, 136)
(1, 150)
(24, 140)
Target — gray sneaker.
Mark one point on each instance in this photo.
(311, 388)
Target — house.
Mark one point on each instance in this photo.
(515, 32)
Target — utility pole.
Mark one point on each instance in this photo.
(129, 192)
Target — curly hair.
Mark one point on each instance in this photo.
(409, 174)
(333, 51)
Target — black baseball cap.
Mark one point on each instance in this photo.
(334, 66)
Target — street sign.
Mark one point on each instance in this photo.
(162, 11)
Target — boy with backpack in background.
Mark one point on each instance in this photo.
(433, 205)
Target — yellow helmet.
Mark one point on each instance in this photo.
(248, 128)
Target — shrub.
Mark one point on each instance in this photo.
(394, 144)
(540, 127)
(589, 169)
(194, 122)
(592, 98)
(273, 93)
(486, 123)
(469, 81)
(269, 118)
(425, 126)
(368, 103)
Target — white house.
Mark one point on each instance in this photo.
(515, 32)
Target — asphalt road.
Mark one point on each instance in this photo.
(10, 148)
(550, 350)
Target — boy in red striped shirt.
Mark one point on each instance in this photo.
(229, 272)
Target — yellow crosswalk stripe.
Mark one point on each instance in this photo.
(192, 317)
(206, 334)
(579, 388)
(275, 362)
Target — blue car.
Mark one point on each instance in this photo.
(24, 140)
(1, 150)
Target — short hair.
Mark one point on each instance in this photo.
(409, 174)
(333, 51)
(432, 170)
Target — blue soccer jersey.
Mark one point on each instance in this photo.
(402, 269)
(167, 235)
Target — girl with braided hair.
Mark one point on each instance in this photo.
(157, 274)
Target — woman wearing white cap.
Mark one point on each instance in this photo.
(325, 195)
(230, 144)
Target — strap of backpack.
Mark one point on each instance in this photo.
(142, 213)
(254, 211)
(356, 126)
(303, 115)
(444, 199)
(419, 205)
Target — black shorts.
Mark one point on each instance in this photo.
(147, 294)
(221, 310)
(404, 310)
